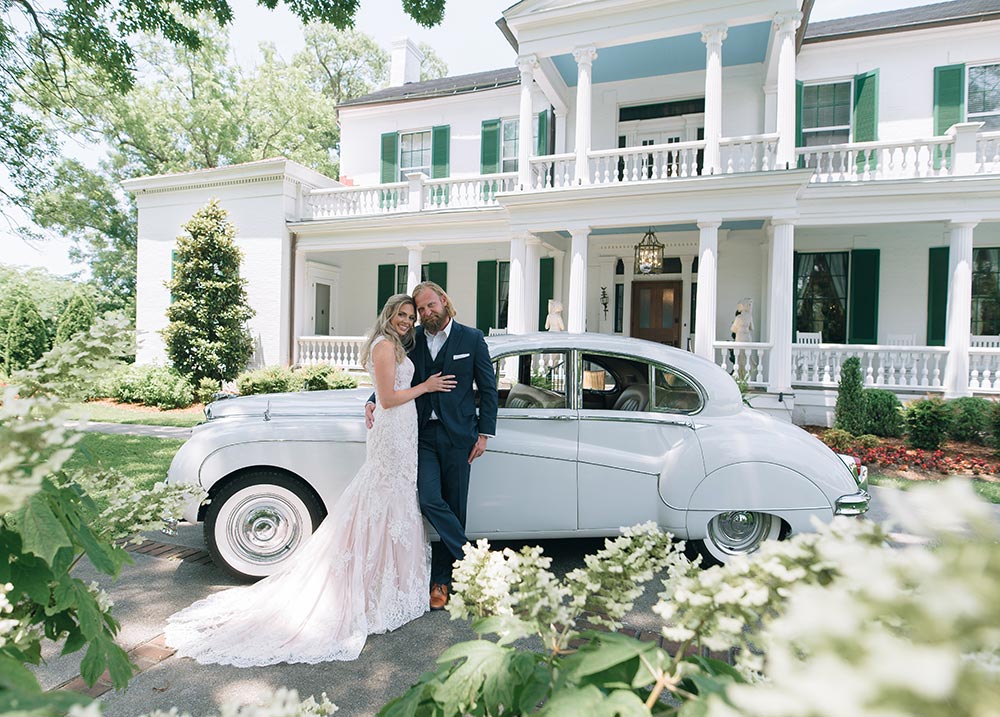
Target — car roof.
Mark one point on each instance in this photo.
(724, 394)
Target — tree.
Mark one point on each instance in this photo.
(41, 42)
(27, 337)
(433, 65)
(849, 413)
(78, 316)
(343, 64)
(207, 334)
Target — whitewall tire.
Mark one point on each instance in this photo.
(737, 532)
(255, 523)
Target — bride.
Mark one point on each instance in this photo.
(366, 568)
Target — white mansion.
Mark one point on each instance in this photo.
(844, 176)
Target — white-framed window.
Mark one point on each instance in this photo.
(510, 136)
(401, 271)
(826, 113)
(983, 100)
(414, 153)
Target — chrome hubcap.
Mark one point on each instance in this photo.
(264, 528)
(739, 531)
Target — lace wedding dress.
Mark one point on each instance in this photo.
(366, 569)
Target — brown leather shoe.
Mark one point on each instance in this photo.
(439, 596)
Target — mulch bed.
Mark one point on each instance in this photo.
(894, 458)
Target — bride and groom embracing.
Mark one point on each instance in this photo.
(368, 567)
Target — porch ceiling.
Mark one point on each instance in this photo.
(741, 225)
(744, 44)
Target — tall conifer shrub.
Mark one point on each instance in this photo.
(78, 316)
(207, 335)
(849, 414)
(27, 336)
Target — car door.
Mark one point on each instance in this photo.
(645, 435)
(526, 482)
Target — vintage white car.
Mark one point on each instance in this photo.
(594, 432)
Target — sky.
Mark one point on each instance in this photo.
(467, 40)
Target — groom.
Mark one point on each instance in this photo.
(451, 435)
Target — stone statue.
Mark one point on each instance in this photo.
(554, 321)
(742, 332)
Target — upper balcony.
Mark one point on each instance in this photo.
(964, 151)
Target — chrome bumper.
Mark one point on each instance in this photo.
(853, 504)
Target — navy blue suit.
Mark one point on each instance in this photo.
(444, 444)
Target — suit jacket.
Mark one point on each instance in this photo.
(467, 357)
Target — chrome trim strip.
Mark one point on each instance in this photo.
(853, 504)
(631, 417)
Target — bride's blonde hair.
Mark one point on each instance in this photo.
(383, 328)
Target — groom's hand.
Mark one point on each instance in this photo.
(478, 449)
(369, 415)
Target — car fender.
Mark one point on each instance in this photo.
(758, 486)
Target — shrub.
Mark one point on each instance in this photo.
(78, 316)
(883, 413)
(27, 337)
(315, 378)
(158, 386)
(207, 334)
(970, 419)
(270, 379)
(927, 422)
(207, 388)
(995, 423)
(341, 379)
(867, 441)
(849, 414)
(838, 439)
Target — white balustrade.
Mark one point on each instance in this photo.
(357, 201)
(918, 368)
(984, 370)
(339, 351)
(470, 192)
(745, 361)
(676, 160)
(754, 153)
(553, 170)
(988, 152)
(864, 161)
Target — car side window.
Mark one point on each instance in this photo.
(532, 380)
(596, 377)
(673, 392)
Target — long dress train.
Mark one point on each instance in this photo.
(364, 571)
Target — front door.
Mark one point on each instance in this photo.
(656, 311)
(321, 317)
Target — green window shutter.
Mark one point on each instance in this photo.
(437, 271)
(937, 295)
(863, 300)
(546, 282)
(799, 142)
(489, 150)
(386, 284)
(543, 133)
(866, 107)
(949, 104)
(390, 158)
(486, 294)
(440, 151)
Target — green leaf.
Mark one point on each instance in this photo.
(712, 666)
(41, 532)
(94, 661)
(31, 576)
(100, 555)
(461, 690)
(119, 666)
(607, 650)
(507, 627)
(415, 701)
(17, 677)
(575, 701)
(624, 703)
(74, 641)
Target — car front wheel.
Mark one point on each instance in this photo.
(737, 532)
(256, 522)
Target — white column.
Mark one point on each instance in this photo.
(577, 317)
(299, 303)
(584, 60)
(959, 321)
(687, 266)
(708, 278)
(414, 262)
(712, 37)
(780, 306)
(526, 65)
(558, 290)
(786, 24)
(532, 276)
(515, 296)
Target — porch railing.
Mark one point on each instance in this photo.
(919, 368)
(984, 370)
(676, 160)
(340, 351)
(469, 192)
(865, 161)
(754, 153)
(988, 153)
(746, 361)
(357, 201)
(554, 170)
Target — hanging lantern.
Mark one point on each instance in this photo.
(649, 255)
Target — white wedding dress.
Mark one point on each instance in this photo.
(366, 569)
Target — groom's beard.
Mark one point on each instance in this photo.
(434, 322)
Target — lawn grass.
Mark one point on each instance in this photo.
(145, 458)
(988, 490)
(108, 412)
